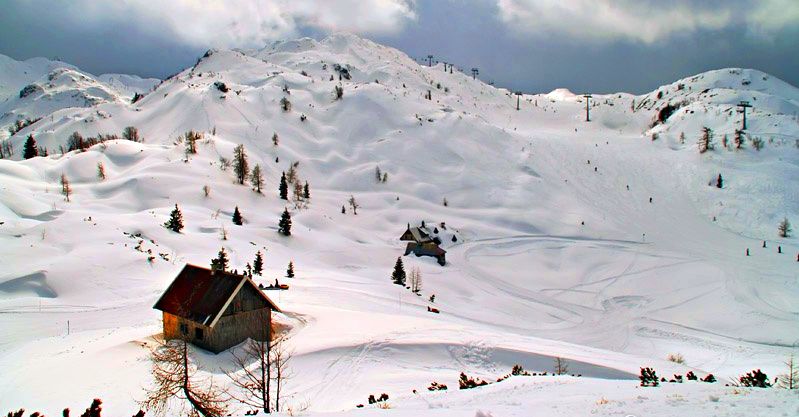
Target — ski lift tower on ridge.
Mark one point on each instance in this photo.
(743, 105)
(588, 97)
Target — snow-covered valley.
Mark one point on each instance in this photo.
(606, 243)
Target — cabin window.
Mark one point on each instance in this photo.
(184, 329)
(198, 333)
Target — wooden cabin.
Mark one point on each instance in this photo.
(420, 243)
(215, 310)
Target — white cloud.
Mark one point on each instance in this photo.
(645, 21)
(247, 23)
(772, 15)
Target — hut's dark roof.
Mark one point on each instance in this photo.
(417, 234)
(200, 295)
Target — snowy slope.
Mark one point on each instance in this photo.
(130, 84)
(558, 250)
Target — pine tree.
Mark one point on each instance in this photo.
(275, 140)
(30, 150)
(191, 141)
(284, 187)
(706, 140)
(648, 377)
(784, 227)
(237, 219)
(756, 379)
(306, 192)
(175, 222)
(240, 165)
(284, 226)
(220, 263)
(257, 178)
(100, 171)
(66, 190)
(131, 133)
(343, 210)
(290, 270)
(258, 264)
(298, 193)
(291, 174)
(353, 205)
(738, 139)
(719, 182)
(398, 276)
(75, 142)
(378, 174)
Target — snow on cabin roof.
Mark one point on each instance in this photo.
(200, 295)
(419, 234)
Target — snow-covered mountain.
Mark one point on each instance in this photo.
(38, 87)
(584, 240)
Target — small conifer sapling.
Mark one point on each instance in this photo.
(175, 222)
(258, 264)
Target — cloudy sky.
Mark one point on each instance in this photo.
(530, 45)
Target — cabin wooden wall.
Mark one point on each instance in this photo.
(234, 327)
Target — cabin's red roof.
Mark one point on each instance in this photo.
(200, 295)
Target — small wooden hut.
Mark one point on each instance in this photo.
(215, 310)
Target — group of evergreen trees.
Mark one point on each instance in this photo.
(241, 169)
(222, 263)
(301, 193)
(175, 221)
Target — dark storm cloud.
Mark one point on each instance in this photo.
(530, 45)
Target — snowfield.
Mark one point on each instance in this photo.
(588, 241)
